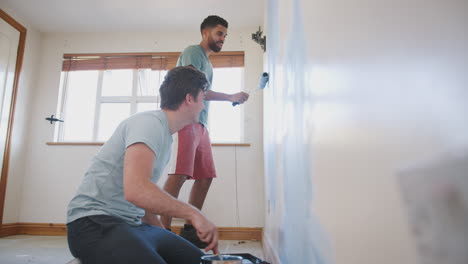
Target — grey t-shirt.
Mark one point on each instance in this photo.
(101, 191)
(195, 55)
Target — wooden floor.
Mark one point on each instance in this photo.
(22, 249)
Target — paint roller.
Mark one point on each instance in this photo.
(261, 85)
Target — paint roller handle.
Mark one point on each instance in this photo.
(239, 98)
(261, 85)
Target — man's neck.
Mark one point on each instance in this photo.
(206, 48)
(175, 121)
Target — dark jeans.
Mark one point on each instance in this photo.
(104, 239)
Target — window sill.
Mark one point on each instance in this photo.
(102, 143)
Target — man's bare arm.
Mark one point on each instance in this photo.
(139, 190)
(217, 96)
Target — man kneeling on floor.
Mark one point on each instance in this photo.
(114, 216)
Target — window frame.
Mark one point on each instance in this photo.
(135, 61)
(132, 99)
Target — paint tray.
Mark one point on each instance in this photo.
(249, 258)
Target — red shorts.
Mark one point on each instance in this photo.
(194, 157)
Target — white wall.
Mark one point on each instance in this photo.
(19, 139)
(435, 192)
(379, 84)
(53, 173)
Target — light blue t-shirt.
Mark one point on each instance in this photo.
(195, 55)
(101, 191)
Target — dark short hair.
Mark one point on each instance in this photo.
(179, 82)
(213, 21)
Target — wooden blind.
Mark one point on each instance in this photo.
(154, 61)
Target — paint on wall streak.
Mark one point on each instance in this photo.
(288, 152)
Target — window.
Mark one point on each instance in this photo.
(98, 91)
(224, 120)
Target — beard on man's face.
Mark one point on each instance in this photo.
(213, 46)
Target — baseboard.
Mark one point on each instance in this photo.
(234, 233)
(44, 229)
(8, 230)
(37, 229)
(269, 252)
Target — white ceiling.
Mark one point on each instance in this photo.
(132, 15)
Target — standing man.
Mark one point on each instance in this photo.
(113, 218)
(194, 157)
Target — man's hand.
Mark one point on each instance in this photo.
(206, 231)
(239, 97)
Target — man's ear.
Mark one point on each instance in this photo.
(205, 33)
(189, 98)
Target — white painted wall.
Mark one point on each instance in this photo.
(380, 84)
(19, 138)
(53, 173)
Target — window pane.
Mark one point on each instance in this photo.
(227, 80)
(117, 83)
(141, 107)
(224, 122)
(224, 119)
(149, 82)
(111, 116)
(79, 105)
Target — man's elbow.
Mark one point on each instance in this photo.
(132, 195)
